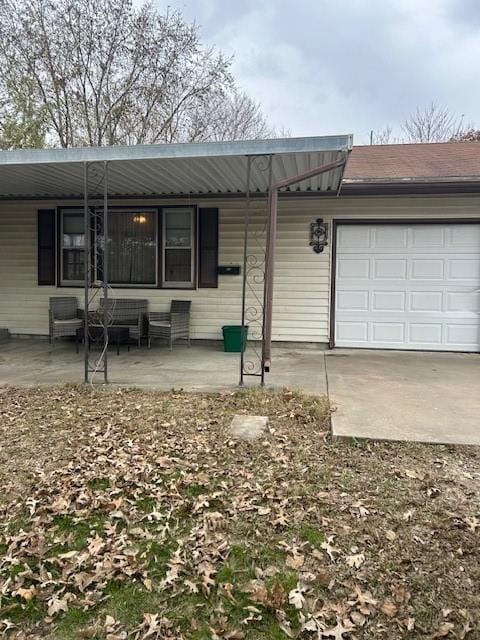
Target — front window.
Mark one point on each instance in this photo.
(132, 246)
(178, 241)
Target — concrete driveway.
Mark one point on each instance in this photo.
(398, 395)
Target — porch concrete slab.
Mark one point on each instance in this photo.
(30, 362)
(425, 397)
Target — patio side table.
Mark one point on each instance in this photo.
(116, 335)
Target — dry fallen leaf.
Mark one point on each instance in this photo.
(278, 596)
(26, 594)
(472, 523)
(356, 560)
(339, 631)
(295, 597)
(56, 605)
(443, 630)
(401, 594)
(389, 608)
(295, 561)
(258, 591)
(284, 623)
(358, 618)
(328, 547)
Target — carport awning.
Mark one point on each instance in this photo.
(171, 169)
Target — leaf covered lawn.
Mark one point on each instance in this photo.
(131, 514)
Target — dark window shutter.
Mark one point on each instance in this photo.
(46, 246)
(207, 248)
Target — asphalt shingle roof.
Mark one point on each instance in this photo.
(394, 163)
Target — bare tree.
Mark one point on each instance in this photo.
(230, 117)
(383, 136)
(433, 123)
(470, 135)
(106, 72)
(22, 123)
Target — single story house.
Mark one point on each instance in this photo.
(380, 252)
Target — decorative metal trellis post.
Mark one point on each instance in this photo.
(263, 269)
(253, 283)
(96, 228)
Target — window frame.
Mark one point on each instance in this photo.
(62, 281)
(192, 283)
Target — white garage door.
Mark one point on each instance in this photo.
(412, 286)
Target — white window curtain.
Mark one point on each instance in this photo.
(132, 247)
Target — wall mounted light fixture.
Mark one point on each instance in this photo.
(318, 235)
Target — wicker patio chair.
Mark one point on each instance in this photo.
(64, 317)
(172, 325)
(124, 312)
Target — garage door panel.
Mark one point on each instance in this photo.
(464, 236)
(463, 302)
(388, 301)
(353, 331)
(417, 289)
(353, 300)
(464, 269)
(429, 301)
(390, 238)
(391, 332)
(423, 334)
(427, 269)
(427, 237)
(349, 238)
(467, 334)
(393, 269)
(354, 268)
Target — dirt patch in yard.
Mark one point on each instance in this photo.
(135, 514)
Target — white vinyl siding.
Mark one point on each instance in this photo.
(302, 278)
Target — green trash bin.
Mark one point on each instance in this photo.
(234, 339)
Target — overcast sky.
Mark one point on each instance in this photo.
(347, 66)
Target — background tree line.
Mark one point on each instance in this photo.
(433, 123)
(105, 72)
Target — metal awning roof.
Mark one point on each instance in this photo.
(210, 168)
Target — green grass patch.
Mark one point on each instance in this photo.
(188, 607)
(145, 504)
(195, 490)
(71, 623)
(76, 533)
(267, 554)
(157, 555)
(99, 484)
(311, 534)
(23, 612)
(128, 601)
(15, 569)
(287, 579)
(238, 567)
(17, 525)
